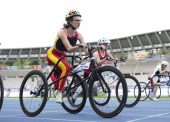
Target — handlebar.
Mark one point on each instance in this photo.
(166, 74)
(89, 47)
(117, 60)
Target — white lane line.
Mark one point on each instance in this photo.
(147, 117)
(47, 106)
(84, 112)
(156, 106)
(143, 109)
(67, 112)
(48, 111)
(10, 109)
(75, 120)
(11, 116)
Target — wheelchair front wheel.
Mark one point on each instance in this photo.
(31, 100)
(1, 93)
(106, 92)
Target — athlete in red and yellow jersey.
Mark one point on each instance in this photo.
(66, 40)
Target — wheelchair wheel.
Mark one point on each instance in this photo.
(32, 100)
(75, 99)
(158, 93)
(169, 90)
(105, 103)
(144, 91)
(1, 92)
(134, 91)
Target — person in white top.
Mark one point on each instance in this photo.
(159, 69)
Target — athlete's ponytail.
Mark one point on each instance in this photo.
(66, 25)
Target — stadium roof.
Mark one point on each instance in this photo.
(146, 41)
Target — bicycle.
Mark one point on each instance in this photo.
(1, 92)
(133, 86)
(95, 92)
(147, 88)
(77, 83)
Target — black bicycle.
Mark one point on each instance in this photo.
(133, 86)
(95, 91)
(34, 89)
(148, 88)
(1, 92)
(134, 90)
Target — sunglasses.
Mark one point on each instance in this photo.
(77, 20)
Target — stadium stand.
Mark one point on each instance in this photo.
(134, 43)
(139, 67)
(147, 41)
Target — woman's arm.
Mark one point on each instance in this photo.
(81, 40)
(109, 55)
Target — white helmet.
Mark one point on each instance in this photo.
(103, 41)
(165, 63)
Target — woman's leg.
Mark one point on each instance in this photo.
(154, 83)
(65, 69)
(63, 66)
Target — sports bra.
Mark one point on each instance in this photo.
(59, 44)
